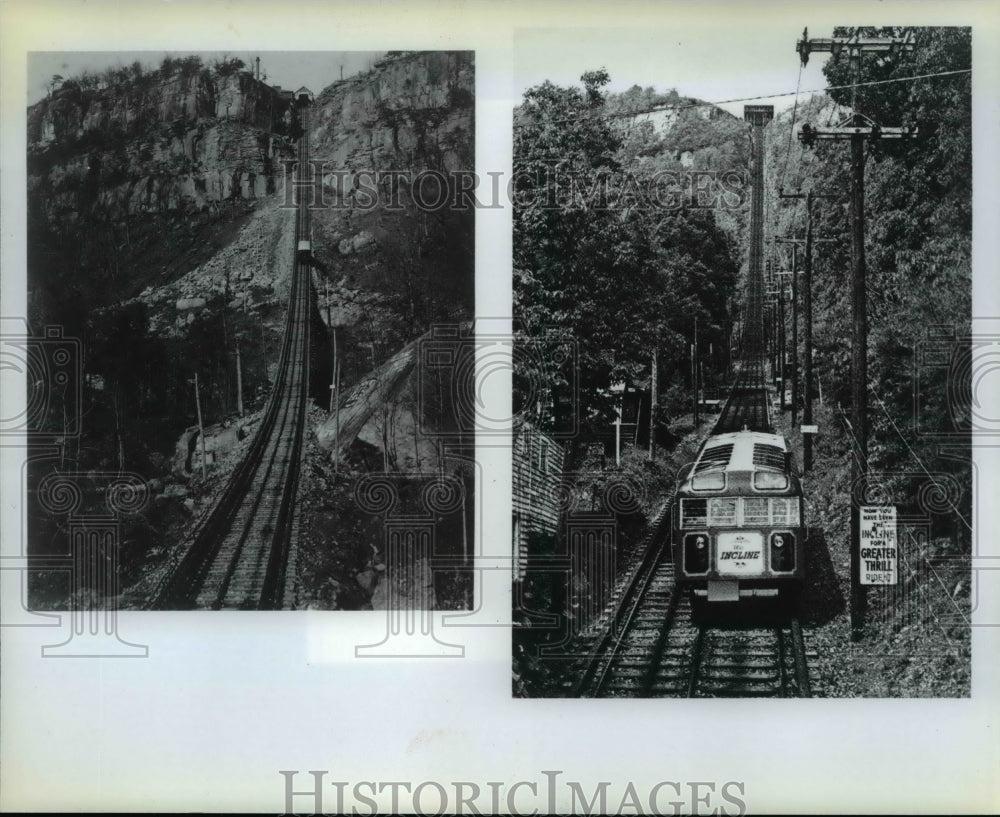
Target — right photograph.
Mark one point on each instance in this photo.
(745, 377)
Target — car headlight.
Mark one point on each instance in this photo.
(782, 552)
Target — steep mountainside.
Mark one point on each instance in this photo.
(394, 254)
(161, 235)
(136, 176)
(158, 143)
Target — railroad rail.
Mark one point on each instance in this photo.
(238, 558)
(749, 662)
(629, 604)
(658, 647)
(747, 406)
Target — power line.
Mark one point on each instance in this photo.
(788, 148)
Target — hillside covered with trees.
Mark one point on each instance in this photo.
(616, 253)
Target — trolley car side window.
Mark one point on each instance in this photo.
(785, 511)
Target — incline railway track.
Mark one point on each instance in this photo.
(238, 558)
(657, 646)
(658, 643)
(761, 661)
(747, 406)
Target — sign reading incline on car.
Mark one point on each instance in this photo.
(877, 538)
(740, 553)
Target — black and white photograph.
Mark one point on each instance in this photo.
(251, 268)
(744, 462)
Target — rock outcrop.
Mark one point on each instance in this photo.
(155, 144)
(413, 112)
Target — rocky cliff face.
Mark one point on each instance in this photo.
(73, 111)
(392, 268)
(154, 145)
(413, 111)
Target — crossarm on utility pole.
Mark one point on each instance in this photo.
(854, 45)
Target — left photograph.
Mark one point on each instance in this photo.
(248, 353)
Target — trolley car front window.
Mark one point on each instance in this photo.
(731, 511)
(722, 511)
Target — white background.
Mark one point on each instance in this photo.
(225, 700)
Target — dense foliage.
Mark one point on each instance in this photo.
(918, 241)
(611, 261)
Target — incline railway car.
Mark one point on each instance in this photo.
(737, 528)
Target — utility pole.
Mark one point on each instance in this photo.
(795, 333)
(780, 338)
(789, 359)
(335, 384)
(336, 411)
(694, 371)
(771, 317)
(793, 365)
(239, 379)
(201, 426)
(618, 432)
(856, 128)
(807, 339)
(652, 406)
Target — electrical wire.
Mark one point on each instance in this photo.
(791, 130)
(716, 103)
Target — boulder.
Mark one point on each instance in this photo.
(184, 304)
(174, 491)
(358, 243)
(180, 465)
(366, 579)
